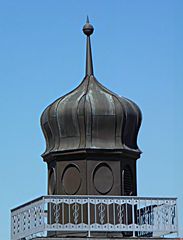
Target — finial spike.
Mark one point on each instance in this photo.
(87, 19)
(88, 30)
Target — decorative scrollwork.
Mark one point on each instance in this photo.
(75, 209)
(158, 212)
(146, 216)
(29, 219)
(172, 214)
(35, 216)
(18, 223)
(120, 209)
(24, 220)
(101, 209)
(14, 224)
(67, 213)
(56, 208)
(164, 210)
(152, 218)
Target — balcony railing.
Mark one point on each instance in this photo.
(127, 216)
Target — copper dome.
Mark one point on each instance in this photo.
(91, 117)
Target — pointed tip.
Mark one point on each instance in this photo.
(87, 19)
(88, 30)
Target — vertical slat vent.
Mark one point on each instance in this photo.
(128, 181)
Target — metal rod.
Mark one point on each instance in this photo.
(108, 212)
(82, 221)
(114, 213)
(133, 217)
(63, 213)
(89, 217)
(126, 208)
(69, 211)
(95, 213)
(176, 216)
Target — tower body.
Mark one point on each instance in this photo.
(91, 139)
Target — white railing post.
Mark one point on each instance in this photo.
(176, 217)
(89, 217)
(133, 217)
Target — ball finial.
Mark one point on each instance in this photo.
(88, 28)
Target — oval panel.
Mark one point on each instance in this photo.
(51, 181)
(71, 179)
(103, 178)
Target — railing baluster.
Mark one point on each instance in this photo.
(176, 217)
(139, 216)
(69, 211)
(114, 213)
(133, 217)
(50, 212)
(108, 212)
(62, 213)
(155, 216)
(126, 213)
(95, 214)
(81, 205)
(89, 217)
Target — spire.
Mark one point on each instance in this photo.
(88, 30)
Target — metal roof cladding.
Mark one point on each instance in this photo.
(91, 116)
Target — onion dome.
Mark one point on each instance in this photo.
(91, 116)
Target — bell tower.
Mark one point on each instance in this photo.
(91, 138)
(91, 154)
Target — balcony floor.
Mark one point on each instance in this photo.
(86, 238)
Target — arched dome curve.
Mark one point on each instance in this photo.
(91, 117)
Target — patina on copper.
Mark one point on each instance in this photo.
(91, 138)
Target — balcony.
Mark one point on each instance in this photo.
(92, 215)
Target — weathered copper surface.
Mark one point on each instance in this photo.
(91, 139)
(91, 116)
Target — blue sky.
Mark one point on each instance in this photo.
(138, 53)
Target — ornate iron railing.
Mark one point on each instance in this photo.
(128, 216)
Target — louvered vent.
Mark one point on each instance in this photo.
(128, 181)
